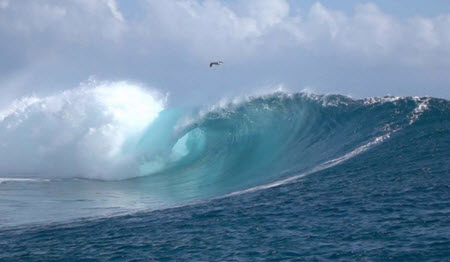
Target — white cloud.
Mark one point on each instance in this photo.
(47, 39)
(74, 21)
(212, 26)
(268, 13)
(4, 4)
(114, 10)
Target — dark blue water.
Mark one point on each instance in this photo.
(350, 181)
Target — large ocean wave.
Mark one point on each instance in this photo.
(114, 131)
(114, 148)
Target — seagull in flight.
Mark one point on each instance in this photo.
(215, 63)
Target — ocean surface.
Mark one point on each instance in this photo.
(92, 174)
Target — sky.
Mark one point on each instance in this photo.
(355, 48)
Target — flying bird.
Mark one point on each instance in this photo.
(215, 63)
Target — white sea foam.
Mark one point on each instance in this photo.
(9, 179)
(422, 106)
(80, 132)
(381, 100)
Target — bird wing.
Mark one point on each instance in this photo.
(215, 63)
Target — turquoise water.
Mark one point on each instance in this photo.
(277, 177)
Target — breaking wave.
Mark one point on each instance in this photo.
(114, 131)
(80, 132)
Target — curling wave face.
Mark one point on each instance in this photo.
(264, 139)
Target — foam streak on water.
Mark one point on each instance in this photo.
(328, 164)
